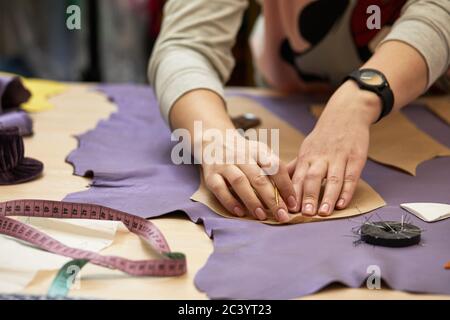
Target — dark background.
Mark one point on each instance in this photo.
(113, 45)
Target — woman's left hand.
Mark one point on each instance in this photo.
(336, 150)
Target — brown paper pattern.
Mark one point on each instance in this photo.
(439, 105)
(395, 141)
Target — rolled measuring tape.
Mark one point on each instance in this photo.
(390, 234)
(170, 264)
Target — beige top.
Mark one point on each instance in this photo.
(193, 50)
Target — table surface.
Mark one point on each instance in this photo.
(76, 111)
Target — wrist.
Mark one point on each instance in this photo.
(362, 105)
(221, 137)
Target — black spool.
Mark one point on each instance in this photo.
(390, 234)
(14, 166)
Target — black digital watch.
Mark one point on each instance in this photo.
(374, 81)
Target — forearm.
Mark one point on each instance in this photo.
(406, 72)
(416, 52)
(200, 105)
(193, 50)
(404, 68)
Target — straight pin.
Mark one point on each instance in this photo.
(277, 194)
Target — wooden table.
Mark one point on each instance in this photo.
(77, 111)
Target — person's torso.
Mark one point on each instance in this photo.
(312, 44)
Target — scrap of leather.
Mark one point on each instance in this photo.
(365, 198)
(395, 141)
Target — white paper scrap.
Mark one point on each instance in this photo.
(428, 211)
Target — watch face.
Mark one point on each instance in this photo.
(371, 78)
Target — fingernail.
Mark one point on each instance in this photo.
(260, 214)
(292, 202)
(282, 215)
(238, 211)
(341, 203)
(325, 208)
(308, 208)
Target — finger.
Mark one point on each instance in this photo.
(242, 187)
(311, 187)
(282, 181)
(333, 187)
(291, 167)
(352, 173)
(266, 191)
(284, 184)
(297, 180)
(217, 185)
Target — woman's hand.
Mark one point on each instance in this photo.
(245, 187)
(336, 150)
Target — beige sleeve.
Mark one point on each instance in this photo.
(193, 50)
(425, 25)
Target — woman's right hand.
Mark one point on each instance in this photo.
(242, 187)
(247, 187)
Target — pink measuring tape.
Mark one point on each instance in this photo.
(171, 263)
